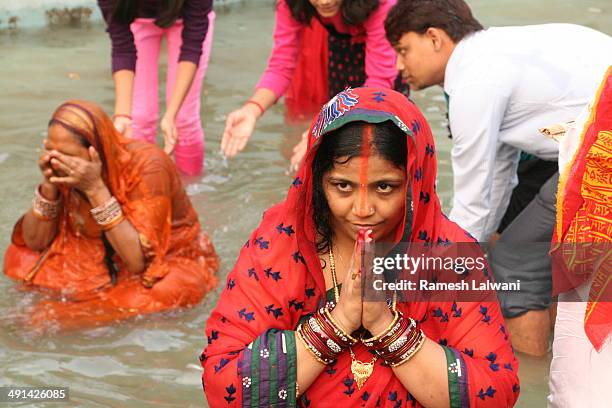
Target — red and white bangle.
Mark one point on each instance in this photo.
(108, 215)
(42, 208)
(399, 342)
(322, 336)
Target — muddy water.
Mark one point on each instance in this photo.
(154, 360)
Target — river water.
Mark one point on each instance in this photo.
(154, 360)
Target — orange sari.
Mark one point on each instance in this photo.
(181, 262)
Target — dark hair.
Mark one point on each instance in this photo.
(353, 12)
(345, 143)
(452, 16)
(125, 11)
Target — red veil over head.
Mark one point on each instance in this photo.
(278, 279)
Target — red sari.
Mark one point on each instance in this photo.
(181, 262)
(583, 232)
(250, 359)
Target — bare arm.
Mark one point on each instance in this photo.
(124, 85)
(38, 233)
(123, 237)
(184, 79)
(308, 368)
(424, 375)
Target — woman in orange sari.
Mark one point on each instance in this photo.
(110, 229)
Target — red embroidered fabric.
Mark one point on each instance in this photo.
(278, 279)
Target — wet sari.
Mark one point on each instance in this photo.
(180, 261)
(250, 359)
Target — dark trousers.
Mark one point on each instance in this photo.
(532, 174)
(521, 253)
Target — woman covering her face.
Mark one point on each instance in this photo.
(110, 228)
(291, 327)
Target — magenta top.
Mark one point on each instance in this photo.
(379, 60)
(195, 27)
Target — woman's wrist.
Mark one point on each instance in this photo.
(381, 324)
(97, 194)
(254, 108)
(126, 116)
(342, 321)
(170, 114)
(49, 191)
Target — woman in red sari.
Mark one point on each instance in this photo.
(370, 152)
(110, 229)
(582, 258)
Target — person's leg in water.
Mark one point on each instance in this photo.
(521, 253)
(189, 151)
(145, 108)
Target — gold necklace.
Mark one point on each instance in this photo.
(361, 370)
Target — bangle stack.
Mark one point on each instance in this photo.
(42, 208)
(108, 215)
(399, 342)
(323, 337)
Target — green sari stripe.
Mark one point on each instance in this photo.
(255, 378)
(273, 366)
(453, 379)
(291, 368)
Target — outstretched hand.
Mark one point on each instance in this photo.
(239, 128)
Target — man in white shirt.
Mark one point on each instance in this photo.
(503, 84)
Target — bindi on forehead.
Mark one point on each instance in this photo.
(366, 147)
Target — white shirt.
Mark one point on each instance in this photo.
(504, 83)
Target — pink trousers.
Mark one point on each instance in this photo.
(189, 152)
